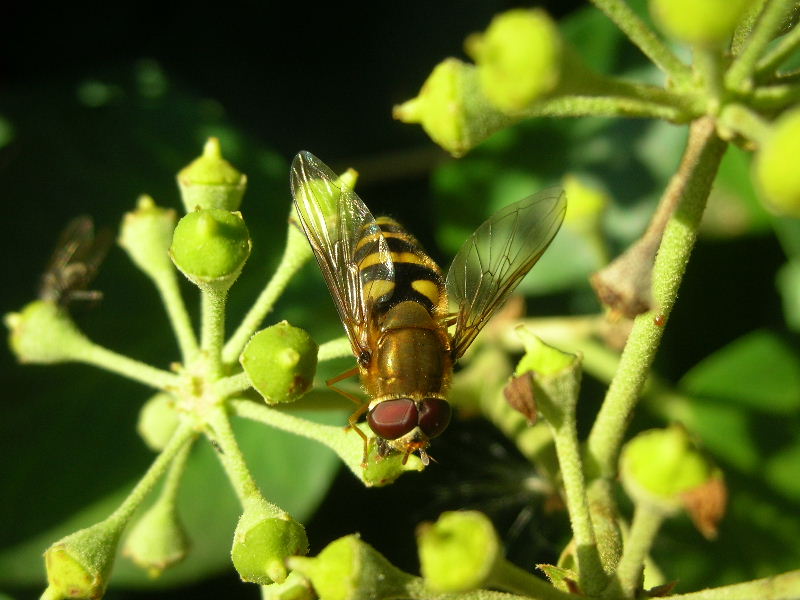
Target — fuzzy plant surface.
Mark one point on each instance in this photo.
(723, 73)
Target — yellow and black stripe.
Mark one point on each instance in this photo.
(417, 278)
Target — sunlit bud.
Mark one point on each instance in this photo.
(44, 333)
(210, 181)
(265, 536)
(776, 168)
(79, 565)
(518, 58)
(458, 552)
(210, 247)
(704, 22)
(349, 569)
(280, 362)
(663, 468)
(146, 234)
(157, 540)
(452, 108)
(157, 421)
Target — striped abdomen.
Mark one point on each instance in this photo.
(416, 277)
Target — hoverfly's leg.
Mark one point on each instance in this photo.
(451, 319)
(352, 420)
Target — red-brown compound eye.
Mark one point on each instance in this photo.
(434, 416)
(392, 419)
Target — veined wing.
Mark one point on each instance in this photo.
(496, 257)
(335, 220)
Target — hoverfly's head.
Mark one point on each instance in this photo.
(408, 425)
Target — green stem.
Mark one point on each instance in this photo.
(604, 106)
(337, 348)
(645, 38)
(230, 386)
(775, 97)
(708, 63)
(645, 526)
(691, 184)
(785, 586)
(109, 360)
(739, 119)
(221, 432)
(509, 576)
(168, 288)
(172, 482)
(213, 329)
(294, 257)
(180, 439)
(774, 57)
(740, 74)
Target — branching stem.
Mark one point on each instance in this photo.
(109, 360)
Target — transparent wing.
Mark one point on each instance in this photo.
(335, 220)
(496, 257)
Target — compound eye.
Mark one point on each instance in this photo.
(434, 416)
(392, 419)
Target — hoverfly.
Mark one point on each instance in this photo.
(393, 300)
(75, 262)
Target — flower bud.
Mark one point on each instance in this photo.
(146, 235)
(210, 247)
(157, 540)
(280, 362)
(459, 552)
(703, 22)
(518, 58)
(44, 333)
(79, 565)
(210, 181)
(452, 108)
(662, 467)
(157, 421)
(349, 569)
(264, 537)
(776, 166)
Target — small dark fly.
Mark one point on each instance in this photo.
(75, 262)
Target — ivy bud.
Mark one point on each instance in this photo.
(664, 469)
(350, 569)
(44, 333)
(210, 181)
(459, 552)
(776, 166)
(452, 108)
(146, 234)
(210, 247)
(703, 22)
(265, 536)
(280, 362)
(518, 58)
(157, 540)
(79, 565)
(157, 421)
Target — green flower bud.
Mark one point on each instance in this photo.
(211, 181)
(776, 166)
(459, 552)
(265, 536)
(44, 333)
(452, 108)
(518, 58)
(210, 247)
(157, 540)
(146, 235)
(280, 362)
(349, 569)
(79, 565)
(704, 22)
(661, 465)
(296, 587)
(158, 420)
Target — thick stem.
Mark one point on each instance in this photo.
(645, 526)
(213, 329)
(785, 586)
(645, 38)
(691, 184)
